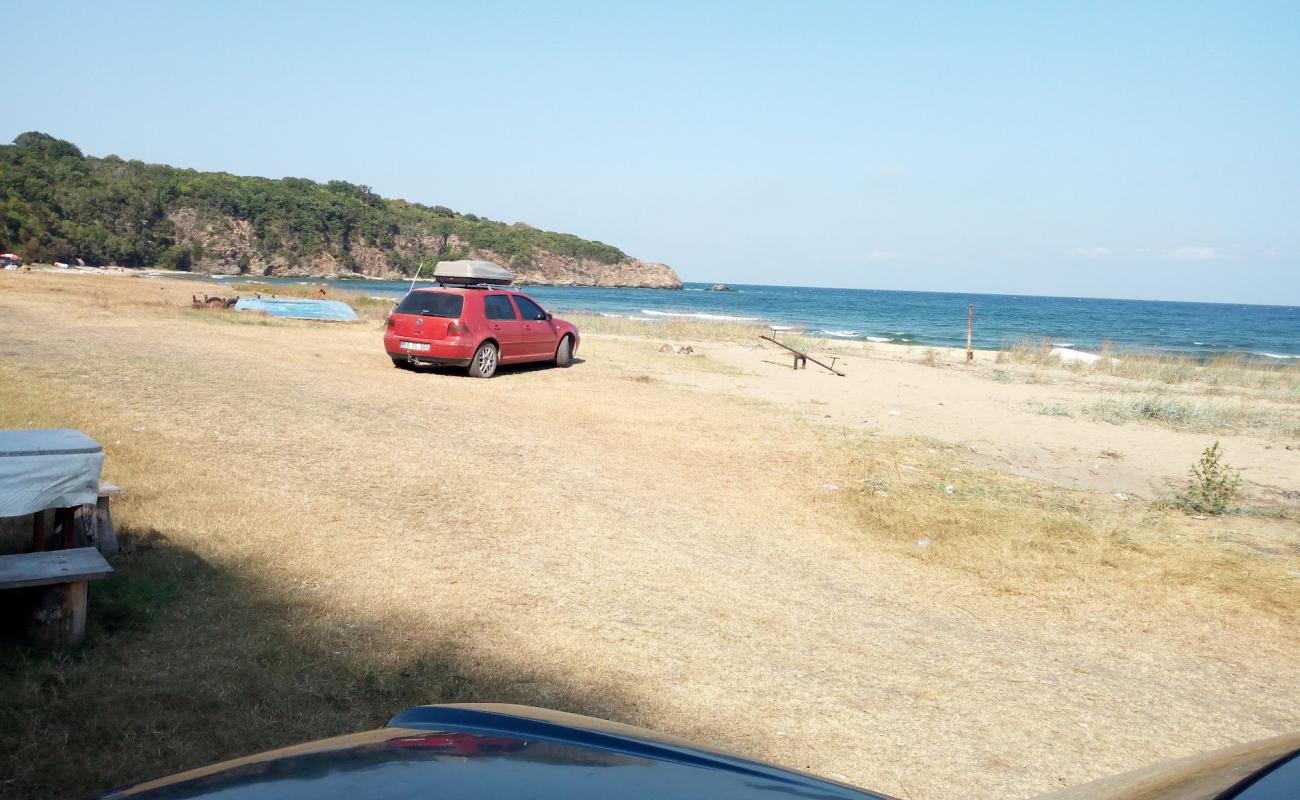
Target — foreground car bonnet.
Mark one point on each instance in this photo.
(476, 752)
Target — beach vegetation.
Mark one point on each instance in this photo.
(1274, 378)
(1186, 415)
(1034, 352)
(1211, 484)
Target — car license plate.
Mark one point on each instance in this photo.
(415, 346)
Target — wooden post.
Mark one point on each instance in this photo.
(59, 619)
(970, 326)
(38, 531)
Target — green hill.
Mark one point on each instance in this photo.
(58, 204)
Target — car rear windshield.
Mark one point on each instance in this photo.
(432, 304)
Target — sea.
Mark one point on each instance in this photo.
(1270, 333)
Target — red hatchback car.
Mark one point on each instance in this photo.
(477, 328)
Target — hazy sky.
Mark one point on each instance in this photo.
(1110, 149)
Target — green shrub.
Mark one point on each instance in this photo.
(1212, 484)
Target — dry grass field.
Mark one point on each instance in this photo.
(714, 546)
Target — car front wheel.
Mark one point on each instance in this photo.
(564, 353)
(484, 364)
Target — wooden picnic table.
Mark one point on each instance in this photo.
(48, 468)
(41, 470)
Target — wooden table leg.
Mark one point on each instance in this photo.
(65, 517)
(38, 531)
(60, 616)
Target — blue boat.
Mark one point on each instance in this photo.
(328, 310)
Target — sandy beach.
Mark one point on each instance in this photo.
(928, 578)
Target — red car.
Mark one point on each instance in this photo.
(478, 328)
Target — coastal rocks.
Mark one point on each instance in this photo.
(554, 269)
(222, 245)
(720, 287)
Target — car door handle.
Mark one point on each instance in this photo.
(496, 327)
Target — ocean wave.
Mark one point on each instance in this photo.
(1279, 356)
(838, 334)
(786, 328)
(711, 317)
(1062, 344)
(879, 339)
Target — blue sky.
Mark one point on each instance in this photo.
(1098, 149)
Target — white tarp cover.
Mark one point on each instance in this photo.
(47, 468)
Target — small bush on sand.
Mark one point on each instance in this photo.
(1212, 484)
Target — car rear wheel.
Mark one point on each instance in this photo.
(401, 363)
(484, 364)
(564, 353)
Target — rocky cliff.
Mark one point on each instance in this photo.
(223, 245)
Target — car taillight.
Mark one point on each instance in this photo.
(456, 329)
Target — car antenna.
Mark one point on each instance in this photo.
(418, 267)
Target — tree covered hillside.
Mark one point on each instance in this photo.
(58, 204)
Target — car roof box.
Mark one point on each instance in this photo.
(469, 273)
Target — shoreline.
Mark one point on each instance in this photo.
(727, 312)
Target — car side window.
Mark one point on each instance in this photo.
(497, 306)
(528, 309)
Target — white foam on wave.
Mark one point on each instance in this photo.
(879, 339)
(1280, 356)
(712, 317)
(839, 334)
(1062, 344)
(785, 328)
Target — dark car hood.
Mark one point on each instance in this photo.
(473, 752)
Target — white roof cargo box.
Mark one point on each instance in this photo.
(472, 272)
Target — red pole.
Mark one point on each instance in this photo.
(970, 324)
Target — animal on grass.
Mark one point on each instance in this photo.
(209, 301)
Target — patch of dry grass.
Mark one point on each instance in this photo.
(1281, 380)
(1023, 536)
(1232, 372)
(1035, 352)
(1198, 417)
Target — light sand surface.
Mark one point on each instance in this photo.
(890, 390)
(643, 536)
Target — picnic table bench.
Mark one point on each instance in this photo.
(57, 617)
(59, 470)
